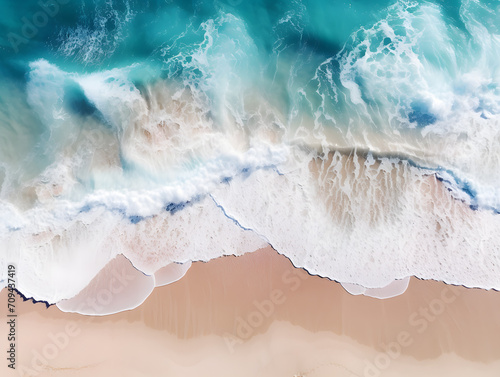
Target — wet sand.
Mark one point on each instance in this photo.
(257, 315)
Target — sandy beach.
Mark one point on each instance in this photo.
(258, 315)
(229, 188)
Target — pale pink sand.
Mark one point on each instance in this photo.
(209, 324)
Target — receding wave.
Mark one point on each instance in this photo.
(365, 154)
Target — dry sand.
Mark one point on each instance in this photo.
(257, 315)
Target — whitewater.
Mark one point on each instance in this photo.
(361, 140)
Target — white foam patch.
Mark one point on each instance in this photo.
(56, 259)
(55, 262)
(94, 38)
(239, 173)
(410, 78)
(368, 222)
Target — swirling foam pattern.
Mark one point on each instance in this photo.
(361, 139)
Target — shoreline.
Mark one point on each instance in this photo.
(223, 312)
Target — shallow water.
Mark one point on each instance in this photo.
(360, 139)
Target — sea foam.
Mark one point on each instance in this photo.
(365, 162)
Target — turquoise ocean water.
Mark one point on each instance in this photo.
(359, 138)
